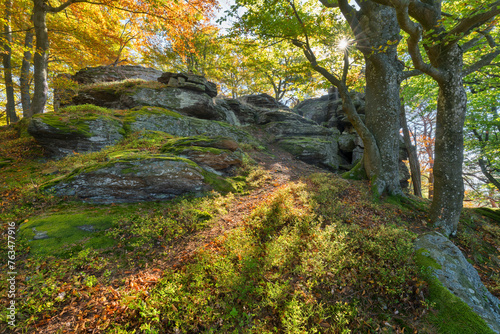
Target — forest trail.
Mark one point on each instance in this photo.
(280, 168)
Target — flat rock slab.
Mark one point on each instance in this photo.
(148, 179)
(460, 277)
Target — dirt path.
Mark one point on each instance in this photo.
(281, 167)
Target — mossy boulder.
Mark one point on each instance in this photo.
(213, 153)
(452, 270)
(321, 151)
(79, 129)
(88, 128)
(130, 94)
(177, 125)
(134, 177)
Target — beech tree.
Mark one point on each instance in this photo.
(376, 33)
(178, 15)
(445, 38)
(6, 43)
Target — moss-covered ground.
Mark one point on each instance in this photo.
(314, 255)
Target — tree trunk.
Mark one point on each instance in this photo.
(382, 111)
(24, 79)
(7, 67)
(430, 182)
(448, 182)
(412, 156)
(383, 105)
(40, 59)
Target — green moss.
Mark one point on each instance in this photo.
(74, 119)
(21, 127)
(219, 183)
(63, 230)
(85, 109)
(183, 149)
(423, 259)
(407, 202)
(147, 110)
(128, 86)
(493, 214)
(452, 314)
(356, 173)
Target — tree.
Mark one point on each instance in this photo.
(376, 33)
(440, 35)
(177, 14)
(6, 42)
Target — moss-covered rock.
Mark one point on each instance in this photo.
(79, 129)
(87, 128)
(321, 151)
(456, 288)
(133, 177)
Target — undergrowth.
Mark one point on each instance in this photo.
(317, 256)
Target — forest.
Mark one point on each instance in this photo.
(253, 166)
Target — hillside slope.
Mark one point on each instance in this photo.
(292, 249)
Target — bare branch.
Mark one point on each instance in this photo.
(412, 73)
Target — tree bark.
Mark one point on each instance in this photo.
(24, 79)
(452, 104)
(416, 178)
(7, 67)
(41, 58)
(383, 105)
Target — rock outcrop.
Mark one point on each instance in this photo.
(455, 273)
(316, 131)
(193, 82)
(328, 112)
(64, 133)
(91, 75)
(262, 101)
(130, 95)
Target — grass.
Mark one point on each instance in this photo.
(316, 256)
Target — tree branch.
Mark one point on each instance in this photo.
(412, 73)
(415, 31)
(483, 61)
(329, 4)
(468, 24)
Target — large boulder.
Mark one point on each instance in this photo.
(91, 75)
(216, 154)
(237, 113)
(135, 178)
(62, 134)
(319, 110)
(188, 81)
(455, 273)
(320, 151)
(127, 95)
(262, 101)
(78, 131)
